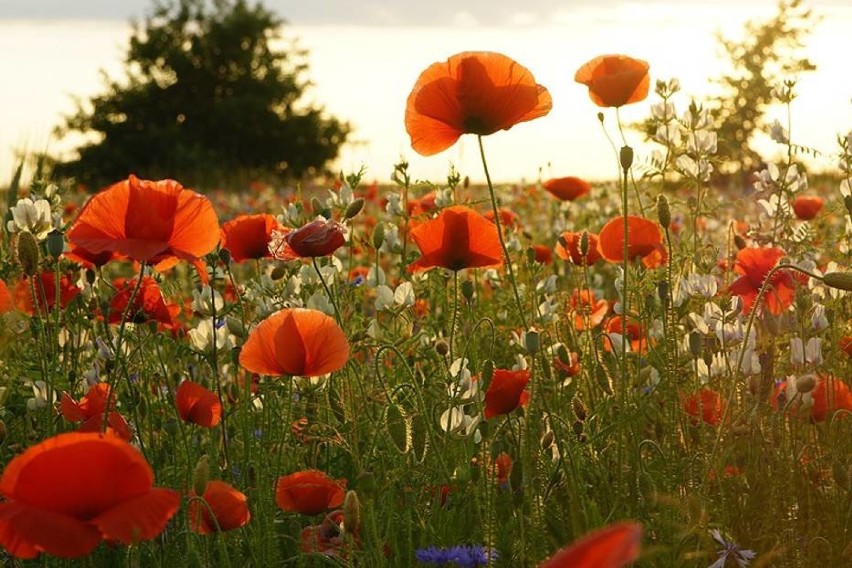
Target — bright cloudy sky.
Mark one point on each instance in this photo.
(365, 56)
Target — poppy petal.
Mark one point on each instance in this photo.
(140, 518)
(25, 531)
(611, 547)
(227, 504)
(198, 405)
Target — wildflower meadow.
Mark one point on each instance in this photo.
(653, 371)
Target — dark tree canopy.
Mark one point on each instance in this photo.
(207, 100)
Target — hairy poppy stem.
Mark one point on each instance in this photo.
(214, 364)
(500, 234)
(455, 311)
(328, 292)
(625, 263)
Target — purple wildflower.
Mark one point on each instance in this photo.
(463, 556)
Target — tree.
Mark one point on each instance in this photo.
(760, 62)
(206, 100)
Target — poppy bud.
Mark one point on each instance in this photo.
(848, 202)
(740, 242)
(563, 354)
(354, 208)
(442, 347)
(805, 383)
(839, 280)
(584, 244)
(626, 157)
(352, 512)
(579, 409)
(200, 475)
(532, 341)
(467, 290)
(663, 292)
(236, 327)
(378, 235)
(695, 344)
(28, 255)
(664, 213)
(317, 238)
(90, 276)
(278, 272)
(577, 426)
(546, 440)
(601, 117)
(55, 243)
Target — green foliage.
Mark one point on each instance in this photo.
(760, 62)
(207, 99)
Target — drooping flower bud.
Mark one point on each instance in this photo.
(839, 280)
(664, 213)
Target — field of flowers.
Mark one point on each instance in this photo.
(653, 371)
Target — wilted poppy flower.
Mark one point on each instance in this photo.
(613, 546)
(198, 405)
(67, 493)
(326, 538)
(754, 264)
(148, 303)
(504, 392)
(588, 311)
(615, 80)
(471, 93)
(247, 236)
(153, 222)
(570, 250)
(224, 509)
(6, 302)
(309, 492)
(829, 394)
(644, 240)
(295, 341)
(706, 405)
(318, 238)
(807, 207)
(90, 411)
(456, 239)
(567, 188)
(44, 284)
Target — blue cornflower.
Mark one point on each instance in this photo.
(730, 550)
(463, 556)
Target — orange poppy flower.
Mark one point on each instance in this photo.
(829, 395)
(148, 304)
(309, 492)
(615, 80)
(224, 509)
(644, 240)
(295, 341)
(67, 493)
(456, 239)
(90, 411)
(423, 205)
(585, 307)
(88, 259)
(7, 304)
(806, 207)
(198, 405)
(567, 188)
(247, 236)
(152, 222)
(613, 546)
(754, 264)
(706, 405)
(504, 392)
(543, 254)
(45, 292)
(570, 250)
(635, 334)
(508, 218)
(471, 93)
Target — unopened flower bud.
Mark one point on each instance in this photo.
(805, 383)
(467, 290)
(579, 409)
(28, 255)
(584, 244)
(626, 157)
(278, 272)
(55, 243)
(442, 347)
(236, 327)
(664, 213)
(378, 235)
(839, 280)
(740, 242)
(225, 256)
(352, 512)
(354, 208)
(200, 475)
(696, 344)
(546, 440)
(532, 341)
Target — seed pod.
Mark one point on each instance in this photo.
(354, 208)
(28, 255)
(278, 272)
(839, 280)
(625, 156)
(378, 235)
(805, 383)
(664, 213)
(532, 341)
(55, 243)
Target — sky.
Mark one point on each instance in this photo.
(366, 56)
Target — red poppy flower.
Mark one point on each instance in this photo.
(67, 493)
(148, 221)
(423, 205)
(829, 395)
(224, 509)
(309, 492)
(247, 236)
(45, 292)
(587, 309)
(318, 238)
(706, 405)
(807, 207)
(6, 301)
(295, 341)
(471, 93)
(90, 411)
(198, 405)
(644, 240)
(567, 188)
(570, 250)
(456, 239)
(508, 218)
(89, 259)
(504, 392)
(754, 264)
(543, 254)
(615, 80)
(326, 538)
(569, 368)
(148, 304)
(613, 546)
(503, 468)
(635, 334)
